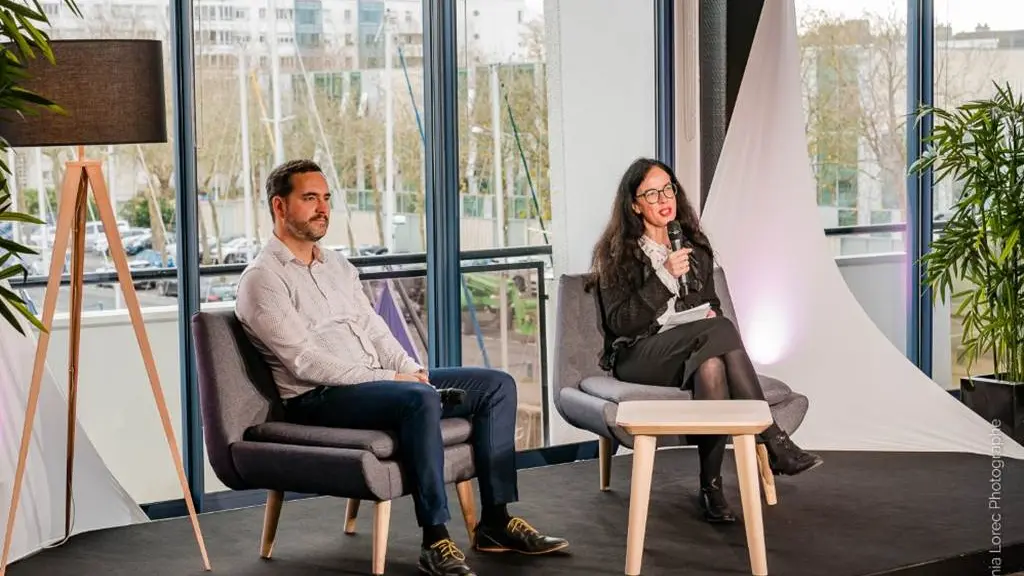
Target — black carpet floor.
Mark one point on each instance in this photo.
(859, 514)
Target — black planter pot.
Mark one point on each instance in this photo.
(999, 401)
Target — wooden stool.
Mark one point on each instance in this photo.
(741, 419)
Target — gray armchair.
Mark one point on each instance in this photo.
(588, 397)
(251, 447)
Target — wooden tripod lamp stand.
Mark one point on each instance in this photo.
(112, 92)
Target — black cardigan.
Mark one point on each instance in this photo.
(629, 313)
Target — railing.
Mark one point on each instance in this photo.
(937, 225)
(410, 259)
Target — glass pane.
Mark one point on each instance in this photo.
(976, 47)
(338, 83)
(511, 344)
(505, 191)
(326, 99)
(854, 66)
(115, 404)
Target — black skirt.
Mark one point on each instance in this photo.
(672, 357)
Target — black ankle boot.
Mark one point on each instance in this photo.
(784, 457)
(712, 503)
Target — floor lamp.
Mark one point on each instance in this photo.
(112, 92)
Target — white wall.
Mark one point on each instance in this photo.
(601, 118)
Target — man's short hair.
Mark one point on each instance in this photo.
(279, 183)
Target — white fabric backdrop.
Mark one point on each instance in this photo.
(797, 315)
(99, 501)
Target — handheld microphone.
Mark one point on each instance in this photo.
(675, 236)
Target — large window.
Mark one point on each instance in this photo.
(318, 80)
(504, 193)
(115, 404)
(978, 44)
(314, 82)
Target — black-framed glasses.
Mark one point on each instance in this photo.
(654, 195)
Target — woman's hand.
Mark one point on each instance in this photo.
(678, 262)
(710, 314)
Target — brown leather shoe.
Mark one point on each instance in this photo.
(443, 558)
(517, 536)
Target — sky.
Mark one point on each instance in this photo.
(964, 15)
(535, 6)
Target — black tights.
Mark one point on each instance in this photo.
(729, 376)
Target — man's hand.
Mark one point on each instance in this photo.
(418, 376)
(710, 314)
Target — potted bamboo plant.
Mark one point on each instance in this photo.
(978, 258)
(20, 38)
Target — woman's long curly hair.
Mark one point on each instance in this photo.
(618, 250)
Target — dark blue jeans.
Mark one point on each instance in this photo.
(414, 412)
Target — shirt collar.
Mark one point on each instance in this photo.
(649, 245)
(284, 254)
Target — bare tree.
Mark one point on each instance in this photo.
(855, 96)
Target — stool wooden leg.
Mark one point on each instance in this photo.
(351, 512)
(767, 478)
(639, 499)
(381, 523)
(750, 495)
(604, 455)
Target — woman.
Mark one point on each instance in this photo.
(638, 279)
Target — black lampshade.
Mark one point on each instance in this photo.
(111, 90)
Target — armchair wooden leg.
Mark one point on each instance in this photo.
(351, 511)
(604, 454)
(468, 505)
(767, 478)
(275, 498)
(381, 523)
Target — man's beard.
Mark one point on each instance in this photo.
(309, 229)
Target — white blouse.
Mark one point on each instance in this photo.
(658, 254)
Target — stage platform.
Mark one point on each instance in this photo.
(860, 514)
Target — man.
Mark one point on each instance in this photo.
(336, 363)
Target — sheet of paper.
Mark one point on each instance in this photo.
(686, 316)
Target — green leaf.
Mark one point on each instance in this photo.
(19, 217)
(9, 316)
(73, 7)
(11, 271)
(10, 27)
(12, 246)
(23, 309)
(1011, 244)
(19, 9)
(33, 98)
(18, 304)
